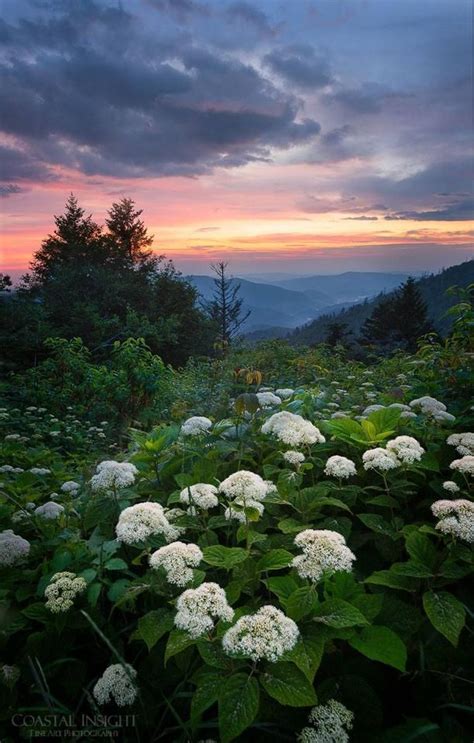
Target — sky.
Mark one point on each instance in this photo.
(286, 136)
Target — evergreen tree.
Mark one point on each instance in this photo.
(411, 315)
(336, 333)
(127, 231)
(76, 240)
(225, 309)
(398, 320)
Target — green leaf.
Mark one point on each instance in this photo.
(382, 644)
(291, 526)
(370, 604)
(239, 699)
(38, 612)
(288, 685)
(446, 614)
(377, 523)
(339, 613)
(385, 421)
(308, 652)
(224, 557)
(412, 569)
(283, 586)
(116, 564)
(206, 693)
(177, 642)
(274, 560)
(392, 580)
(152, 626)
(301, 602)
(93, 593)
(422, 550)
(213, 655)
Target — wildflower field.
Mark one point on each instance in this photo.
(280, 548)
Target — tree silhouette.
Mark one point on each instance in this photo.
(398, 320)
(225, 308)
(127, 232)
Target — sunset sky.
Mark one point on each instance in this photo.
(282, 135)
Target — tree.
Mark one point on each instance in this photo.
(76, 240)
(127, 231)
(225, 309)
(105, 288)
(5, 282)
(336, 333)
(399, 319)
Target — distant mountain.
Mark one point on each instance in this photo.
(433, 289)
(269, 305)
(352, 286)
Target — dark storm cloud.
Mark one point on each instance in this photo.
(156, 110)
(251, 15)
(9, 189)
(16, 165)
(300, 65)
(450, 213)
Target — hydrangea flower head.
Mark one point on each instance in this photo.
(268, 634)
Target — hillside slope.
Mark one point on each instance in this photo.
(351, 286)
(433, 289)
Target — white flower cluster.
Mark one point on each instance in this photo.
(380, 459)
(199, 607)
(331, 723)
(464, 442)
(268, 399)
(111, 475)
(13, 548)
(196, 426)
(294, 457)
(137, 523)
(116, 684)
(456, 518)
(432, 407)
(465, 465)
(49, 511)
(372, 409)
(285, 393)
(292, 429)
(451, 487)
(39, 471)
(62, 590)
(324, 552)
(201, 495)
(268, 634)
(70, 486)
(8, 468)
(246, 490)
(177, 559)
(341, 467)
(406, 449)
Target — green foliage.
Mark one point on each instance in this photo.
(390, 639)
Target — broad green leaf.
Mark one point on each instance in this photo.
(239, 699)
(283, 586)
(421, 549)
(291, 526)
(224, 557)
(206, 693)
(412, 569)
(288, 685)
(382, 644)
(392, 580)
(177, 642)
(274, 560)
(377, 523)
(339, 613)
(446, 614)
(308, 652)
(152, 626)
(38, 612)
(370, 604)
(213, 655)
(116, 564)
(385, 421)
(93, 593)
(301, 602)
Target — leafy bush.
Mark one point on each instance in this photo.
(380, 599)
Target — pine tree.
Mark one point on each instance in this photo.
(398, 320)
(76, 240)
(410, 315)
(127, 231)
(336, 333)
(225, 309)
